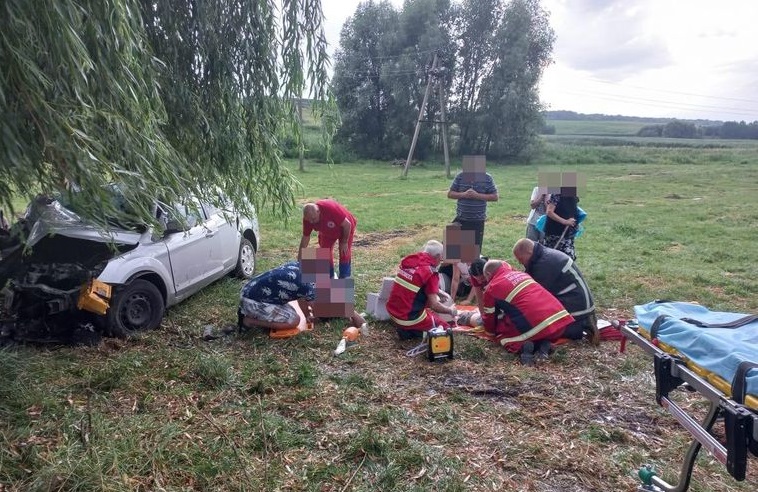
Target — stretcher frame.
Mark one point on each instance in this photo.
(740, 423)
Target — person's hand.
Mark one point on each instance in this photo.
(471, 193)
(444, 297)
(571, 222)
(343, 249)
(453, 311)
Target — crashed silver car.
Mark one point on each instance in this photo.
(69, 281)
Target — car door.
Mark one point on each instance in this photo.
(189, 250)
(227, 238)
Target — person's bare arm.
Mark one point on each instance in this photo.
(455, 281)
(303, 244)
(551, 213)
(487, 197)
(307, 308)
(479, 293)
(435, 305)
(346, 227)
(457, 195)
(472, 194)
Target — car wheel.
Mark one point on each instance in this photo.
(138, 306)
(245, 260)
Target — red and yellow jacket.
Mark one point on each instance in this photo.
(415, 281)
(517, 309)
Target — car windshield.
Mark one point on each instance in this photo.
(120, 214)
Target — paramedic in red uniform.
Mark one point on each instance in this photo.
(334, 223)
(521, 312)
(414, 302)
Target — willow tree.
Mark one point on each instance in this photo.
(170, 98)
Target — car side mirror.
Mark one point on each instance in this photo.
(173, 226)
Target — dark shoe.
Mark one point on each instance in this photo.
(593, 334)
(527, 354)
(409, 334)
(544, 347)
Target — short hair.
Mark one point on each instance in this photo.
(309, 207)
(523, 246)
(491, 266)
(433, 248)
(477, 266)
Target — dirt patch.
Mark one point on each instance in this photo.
(673, 196)
(477, 386)
(374, 239)
(626, 177)
(674, 248)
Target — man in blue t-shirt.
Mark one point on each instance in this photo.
(264, 301)
(473, 188)
(265, 298)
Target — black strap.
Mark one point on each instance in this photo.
(657, 325)
(739, 382)
(732, 324)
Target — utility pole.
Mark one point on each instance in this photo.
(420, 116)
(434, 79)
(444, 131)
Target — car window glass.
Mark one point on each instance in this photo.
(190, 215)
(210, 210)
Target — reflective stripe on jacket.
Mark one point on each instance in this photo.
(519, 309)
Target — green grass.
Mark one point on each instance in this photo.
(166, 410)
(590, 127)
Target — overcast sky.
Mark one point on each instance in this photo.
(663, 58)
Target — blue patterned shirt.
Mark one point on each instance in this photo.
(279, 285)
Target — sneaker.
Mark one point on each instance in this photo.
(527, 354)
(409, 334)
(544, 347)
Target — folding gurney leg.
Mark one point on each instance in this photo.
(740, 424)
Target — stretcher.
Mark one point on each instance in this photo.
(716, 355)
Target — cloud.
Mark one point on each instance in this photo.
(609, 38)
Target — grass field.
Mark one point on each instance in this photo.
(600, 127)
(168, 411)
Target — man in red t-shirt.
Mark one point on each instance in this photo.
(334, 223)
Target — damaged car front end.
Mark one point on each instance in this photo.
(66, 280)
(49, 267)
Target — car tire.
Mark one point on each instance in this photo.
(137, 306)
(245, 260)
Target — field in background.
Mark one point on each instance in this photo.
(169, 411)
(591, 127)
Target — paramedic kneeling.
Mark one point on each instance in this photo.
(414, 302)
(559, 274)
(520, 311)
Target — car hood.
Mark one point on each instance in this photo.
(55, 219)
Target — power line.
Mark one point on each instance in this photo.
(659, 101)
(666, 104)
(626, 86)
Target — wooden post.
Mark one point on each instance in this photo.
(420, 116)
(444, 130)
(302, 137)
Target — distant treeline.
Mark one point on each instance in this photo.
(574, 116)
(667, 127)
(684, 129)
